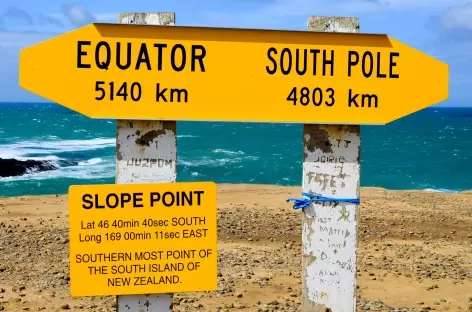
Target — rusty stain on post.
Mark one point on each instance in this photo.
(318, 139)
(146, 152)
(148, 137)
(331, 168)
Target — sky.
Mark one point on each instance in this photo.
(440, 28)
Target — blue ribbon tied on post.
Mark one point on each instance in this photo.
(300, 203)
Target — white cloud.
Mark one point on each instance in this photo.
(452, 31)
(369, 5)
(81, 20)
(270, 14)
(22, 36)
(458, 17)
(77, 14)
(50, 20)
(411, 4)
(290, 8)
(18, 14)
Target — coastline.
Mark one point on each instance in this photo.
(414, 252)
(414, 153)
(292, 191)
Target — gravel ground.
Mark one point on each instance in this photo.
(415, 253)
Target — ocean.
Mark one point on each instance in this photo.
(428, 150)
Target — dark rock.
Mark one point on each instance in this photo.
(14, 167)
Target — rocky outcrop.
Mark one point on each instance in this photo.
(14, 167)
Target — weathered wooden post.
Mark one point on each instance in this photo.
(331, 168)
(146, 152)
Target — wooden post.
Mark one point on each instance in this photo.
(331, 168)
(146, 152)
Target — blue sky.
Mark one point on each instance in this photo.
(441, 28)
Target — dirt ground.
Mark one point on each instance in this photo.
(415, 253)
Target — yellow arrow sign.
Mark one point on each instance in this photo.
(217, 74)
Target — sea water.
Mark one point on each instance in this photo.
(428, 150)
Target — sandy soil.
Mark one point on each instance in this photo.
(415, 253)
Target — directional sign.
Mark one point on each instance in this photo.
(118, 71)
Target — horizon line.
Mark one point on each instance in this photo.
(48, 102)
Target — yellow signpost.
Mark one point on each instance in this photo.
(125, 71)
(142, 238)
(136, 239)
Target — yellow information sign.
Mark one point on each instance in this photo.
(125, 71)
(142, 238)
